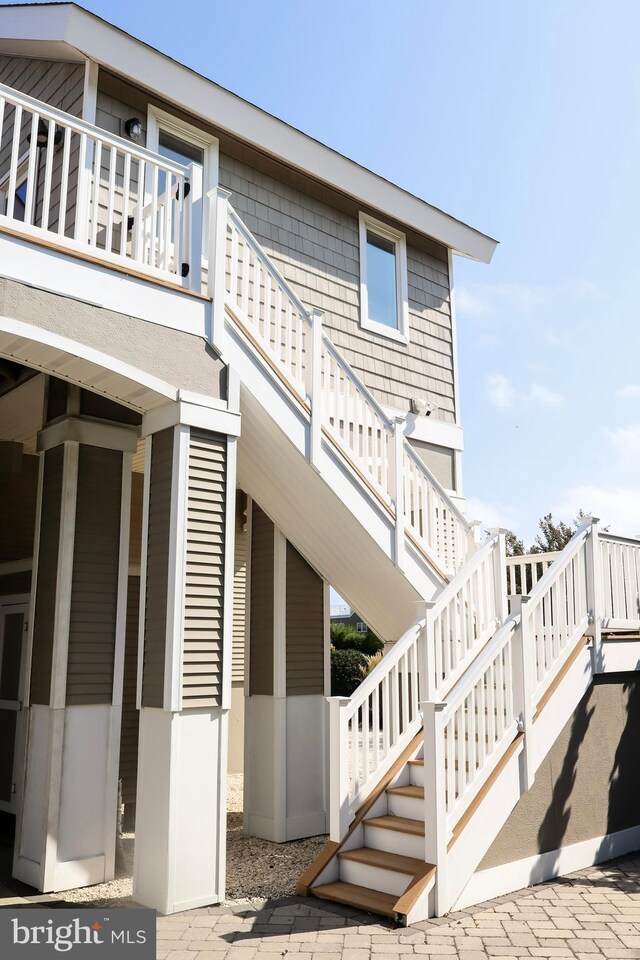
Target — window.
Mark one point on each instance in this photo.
(361, 627)
(383, 280)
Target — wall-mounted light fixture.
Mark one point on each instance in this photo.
(423, 407)
(42, 135)
(133, 128)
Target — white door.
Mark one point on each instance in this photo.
(13, 635)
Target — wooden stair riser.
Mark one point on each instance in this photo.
(405, 844)
(364, 875)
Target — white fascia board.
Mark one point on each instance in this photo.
(147, 67)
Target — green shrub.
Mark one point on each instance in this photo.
(346, 671)
(345, 637)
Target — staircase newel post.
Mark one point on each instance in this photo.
(435, 799)
(315, 388)
(397, 490)
(426, 676)
(473, 537)
(216, 280)
(524, 685)
(339, 817)
(500, 573)
(593, 563)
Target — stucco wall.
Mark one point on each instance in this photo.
(178, 358)
(588, 785)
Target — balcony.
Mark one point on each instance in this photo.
(69, 189)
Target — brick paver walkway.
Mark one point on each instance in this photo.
(593, 913)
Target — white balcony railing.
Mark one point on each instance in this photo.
(69, 182)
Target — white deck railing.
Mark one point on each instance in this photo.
(71, 182)
(620, 571)
(523, 572)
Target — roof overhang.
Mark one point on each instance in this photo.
(56, 26)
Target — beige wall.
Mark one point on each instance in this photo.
(240, 590)
(305, 627)
(588, 785)
(440, 461)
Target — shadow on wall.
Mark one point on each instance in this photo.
(624, 781)
(556, 820)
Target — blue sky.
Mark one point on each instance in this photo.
(521, 118)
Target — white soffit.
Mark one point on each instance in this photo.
(55, 23)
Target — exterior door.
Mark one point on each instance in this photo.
(13, 632)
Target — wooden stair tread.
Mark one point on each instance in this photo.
(384, 859)
(408, 790)
(399, 824)
(417, 763)
(354, 896)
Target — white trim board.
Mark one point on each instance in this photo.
(100, 41)
(496, 881)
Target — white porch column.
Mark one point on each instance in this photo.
(285, 789)
(184, 659)
(66, 830)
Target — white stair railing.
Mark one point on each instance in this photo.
(343, 411)
(370, 729)
(465, 615)
(467, 735)
(73, 183)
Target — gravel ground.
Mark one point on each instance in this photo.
(256, 869)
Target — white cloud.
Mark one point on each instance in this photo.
(618, 508)
(544, 397)
(626, 441)
(480, 299)
(504, 396)
(631, 392)
(501, 393)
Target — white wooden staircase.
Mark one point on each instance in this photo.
(434, 749)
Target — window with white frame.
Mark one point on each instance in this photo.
(383, 280)
(361, 627)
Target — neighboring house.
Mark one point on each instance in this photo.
(351, 619)
(228, 380)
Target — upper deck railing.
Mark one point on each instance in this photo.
(68, 182)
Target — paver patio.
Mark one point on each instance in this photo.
(595, 912)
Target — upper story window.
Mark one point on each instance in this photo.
(383, 280)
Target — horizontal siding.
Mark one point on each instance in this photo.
(204, 571)
(305, 627)
(47, 576)
(130, 716)
(239, 592)
(60, 85)
(261, 605)
(94, 589)
(18, 496)
(155, 623)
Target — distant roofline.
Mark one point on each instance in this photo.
(113, 48)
